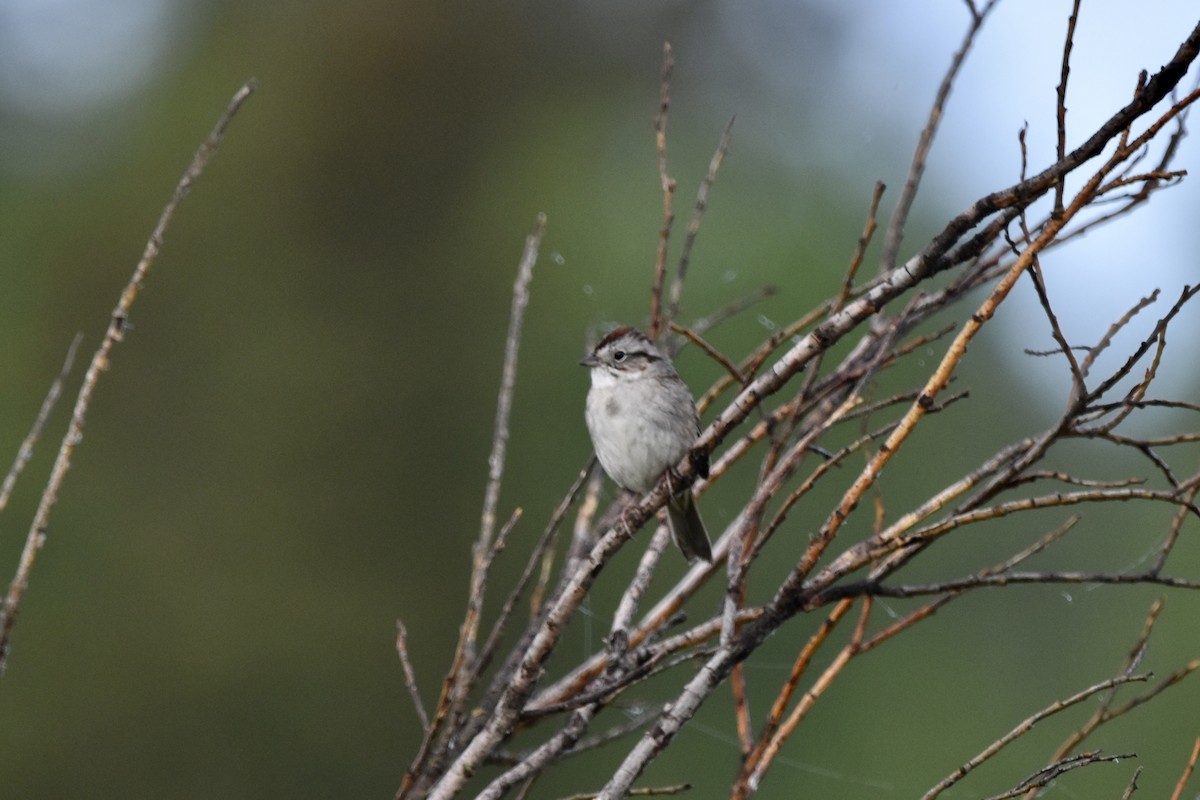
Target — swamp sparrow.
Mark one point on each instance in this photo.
(643, 420)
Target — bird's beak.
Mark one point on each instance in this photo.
(589, 360)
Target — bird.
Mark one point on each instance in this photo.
(643, 420)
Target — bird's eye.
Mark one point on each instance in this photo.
(619, 356)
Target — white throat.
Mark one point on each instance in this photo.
(602, 378)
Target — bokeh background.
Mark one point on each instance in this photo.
(289, 451)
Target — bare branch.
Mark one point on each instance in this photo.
(693, 227)
(1006, 579)
(1050, 773)
(531, 764)
(540, 549)
(465, 674)
(794, 414)
(410, 677)
(1068, 42)
(1102, 345)
(710, 321)
(657, 791)
(118, 324)
(25, 452)
(1187, 771)
(710, 351)
(1023, 728)
(656, 327)
(895, 229)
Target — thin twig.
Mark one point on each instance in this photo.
(465, 676)
(1005, 579)
(540, 549)
(860, 249)
(1068, 41)
(731, 309)
(1104, 712)
(1105, 340)
(25, 452)
(1048, 774)
(1185, 295)
(1173, 531)
(1023, 728)
(693, 227)
(655, 328)
(1078, 387)
(710, 351)
(895, 229)
(118, 324)
(936, 605)
(779, 706)
(508, 380)
(1133, 785)
(751, 364)
(463, 673)
(638, 719)
(655, 791)
(550, 750)
(628, 606)
(410, 676)
(770, 747)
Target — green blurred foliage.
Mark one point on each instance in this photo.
(289, 450)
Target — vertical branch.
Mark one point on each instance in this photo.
(860, 249)
(508, 379)
(1062, 102)
(741, 710)
(117, 325)
(463, 672)
(583, 533)
(628, 606)
(656, 327)
(487, 525)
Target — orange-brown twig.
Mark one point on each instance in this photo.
(1187, 771)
